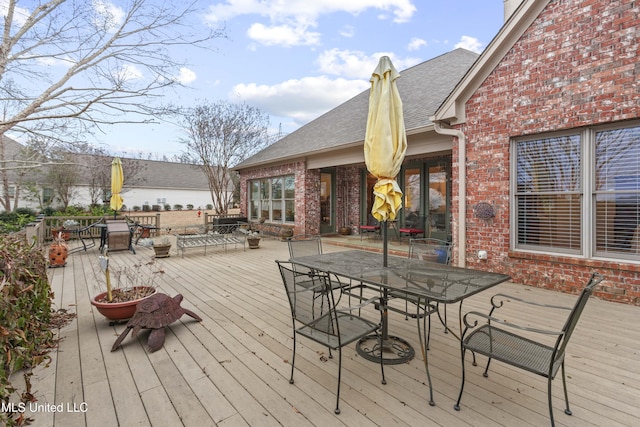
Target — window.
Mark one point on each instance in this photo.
(272, 199)
(579, 193)
(617, 192)
(47, 195)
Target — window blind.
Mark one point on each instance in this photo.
(617, 191)
(549, 193)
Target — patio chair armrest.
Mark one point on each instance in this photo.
(499, 299)
(472, 323)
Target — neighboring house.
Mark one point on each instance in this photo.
(154, 183)
(542, 132)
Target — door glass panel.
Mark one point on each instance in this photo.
(325, 199)
(437, 199)
(412, 199)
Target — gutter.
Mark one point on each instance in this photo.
(462, 188)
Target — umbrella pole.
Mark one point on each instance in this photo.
(384, 243)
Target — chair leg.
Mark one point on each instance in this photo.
(550, 403)
(293, 358)
(566, 395)
(424, 333)
(462, 354)
(337, 411)
(486, 370)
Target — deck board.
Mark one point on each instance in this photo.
(233, 368)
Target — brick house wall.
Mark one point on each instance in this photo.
(577, 65)
(308, 196)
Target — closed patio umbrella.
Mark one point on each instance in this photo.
(385, 143)
(117, 179)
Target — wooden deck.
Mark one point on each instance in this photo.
(233, 368)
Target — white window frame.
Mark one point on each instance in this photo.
(270, 201)
(588, 196)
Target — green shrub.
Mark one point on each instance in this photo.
(48, 211)
(177, 207)
(15, 221)
(136, 208)
(167, 207)
(189, 206)
(25, 310)
(209, 206)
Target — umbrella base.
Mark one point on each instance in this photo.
(395, 350)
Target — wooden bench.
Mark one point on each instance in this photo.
(213, 235)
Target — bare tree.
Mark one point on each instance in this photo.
(63, 177)
(221, 135)
(69, 66)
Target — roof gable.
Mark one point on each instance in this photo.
(452, 110)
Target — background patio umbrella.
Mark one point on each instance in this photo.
(385, 144)
(117, 179)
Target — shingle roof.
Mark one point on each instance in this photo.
(422, 88)
(152, 173)
(158, 174)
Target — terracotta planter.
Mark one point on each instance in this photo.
(116, 311)
(58, 255)
(162, 251)
(254, 243)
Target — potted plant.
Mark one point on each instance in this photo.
(253, 239)
(58, 251)
(345, 231)
(66, 225)
(129, 286)
(285, 233)
(161, 247)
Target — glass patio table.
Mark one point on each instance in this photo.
(418, 280)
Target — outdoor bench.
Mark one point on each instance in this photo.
(220, 235)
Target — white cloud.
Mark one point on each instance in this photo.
(416, 43)
(129, 72)
(301, 99)
(295, 16)
(356, 64)
(20, 14)
(186, 76)
(348, 31)
(470, 43)
(108, 15)
(282, 35)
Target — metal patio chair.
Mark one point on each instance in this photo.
(86, 236)
(505, 344)
(427, 250)
(333, 327)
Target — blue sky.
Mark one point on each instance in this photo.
(297, 59)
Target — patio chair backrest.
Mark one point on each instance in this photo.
(432, 250)
(302, 291)
(576, 311)
(304, 245)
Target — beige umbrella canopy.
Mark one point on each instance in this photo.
(117, 180)
(385, 140)
(385, 144)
